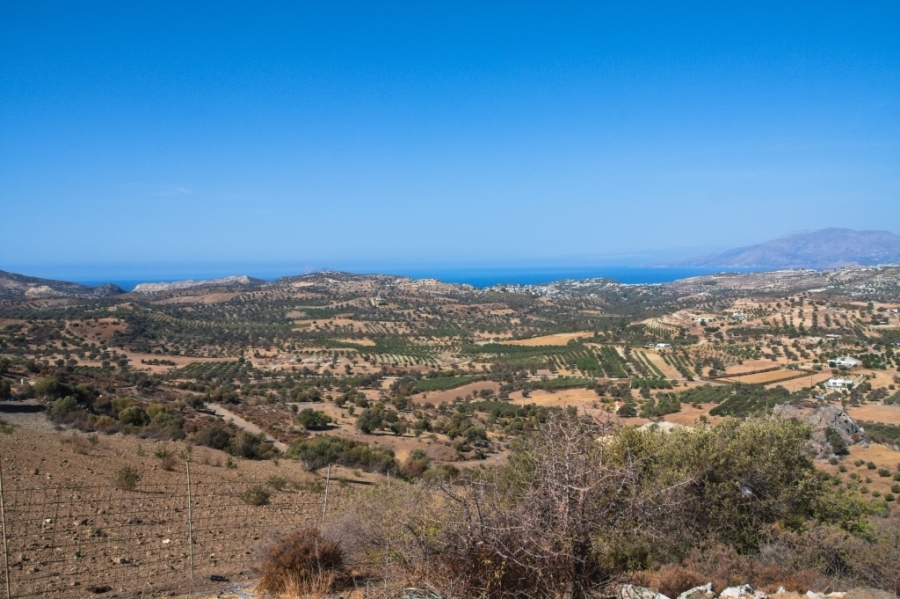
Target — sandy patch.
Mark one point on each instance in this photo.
(750, 366)
(876, 413)
(764, 378)
(439, 397)
(557, 339)
(689, 414)
(559, 399)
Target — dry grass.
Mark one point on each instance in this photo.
(302, 564)
(557, 339)
(764, 378)
(876, 413)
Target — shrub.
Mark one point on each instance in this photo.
(134, 416)
(884, 472)
(301, 563)
(416, 464)
(256, 496)
(214, 437)
(166, 458)
(253, 447)
(369, 420)
(324, 450)
(313, 419)
(838, 445)
(62, 410)
(670, 580)
(127, 479)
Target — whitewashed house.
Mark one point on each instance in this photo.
(846, 362)
(839, 384)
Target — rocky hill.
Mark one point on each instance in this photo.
(826, 248)
(18, 287)
(236, 281)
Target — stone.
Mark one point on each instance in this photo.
(741, 592)
(630, 591)
(702, 592)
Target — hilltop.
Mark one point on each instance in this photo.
(18, 287)
(825, 248)
(235, 281)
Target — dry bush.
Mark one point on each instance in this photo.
(127, 479)
(844, 558)
(571, 514)
(302, 563)
(167, 459)
(80, 445)
(671, 580)
(768, 570)
(549, 524)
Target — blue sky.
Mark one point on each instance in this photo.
(370, 135)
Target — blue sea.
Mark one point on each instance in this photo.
(477, 277)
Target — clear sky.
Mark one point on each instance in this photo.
(372, 134)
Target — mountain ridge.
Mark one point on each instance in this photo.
(16, 287)
(821, 249)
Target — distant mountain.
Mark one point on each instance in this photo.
(18, 287)
(826, 248)
(237, 281)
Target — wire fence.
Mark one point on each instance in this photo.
(75, 541)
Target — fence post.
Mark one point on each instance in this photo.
(5, 545)
(187, 468)
(325, 503)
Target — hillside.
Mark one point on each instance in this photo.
(18, 287)
(235, 281)
(825, 248)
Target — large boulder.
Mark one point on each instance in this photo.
(702, 592)
(630, 591)
(741, 592)
(822, 420)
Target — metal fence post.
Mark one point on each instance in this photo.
(5, 544)
(325, 503)
(187, 468)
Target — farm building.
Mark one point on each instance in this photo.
(660, 346)
(839, 383)
(846, 362)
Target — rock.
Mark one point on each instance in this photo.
(121, 560)
(630, 591)
(741, 592)
(824, 418)
(835, 595)
(702, 592)
(812, 595)
(99, 589)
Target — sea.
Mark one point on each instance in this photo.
(477, 277)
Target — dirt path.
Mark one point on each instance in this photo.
(246, 425)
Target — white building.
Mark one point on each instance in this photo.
(660, 346)
(846, 362)
(839, 383)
